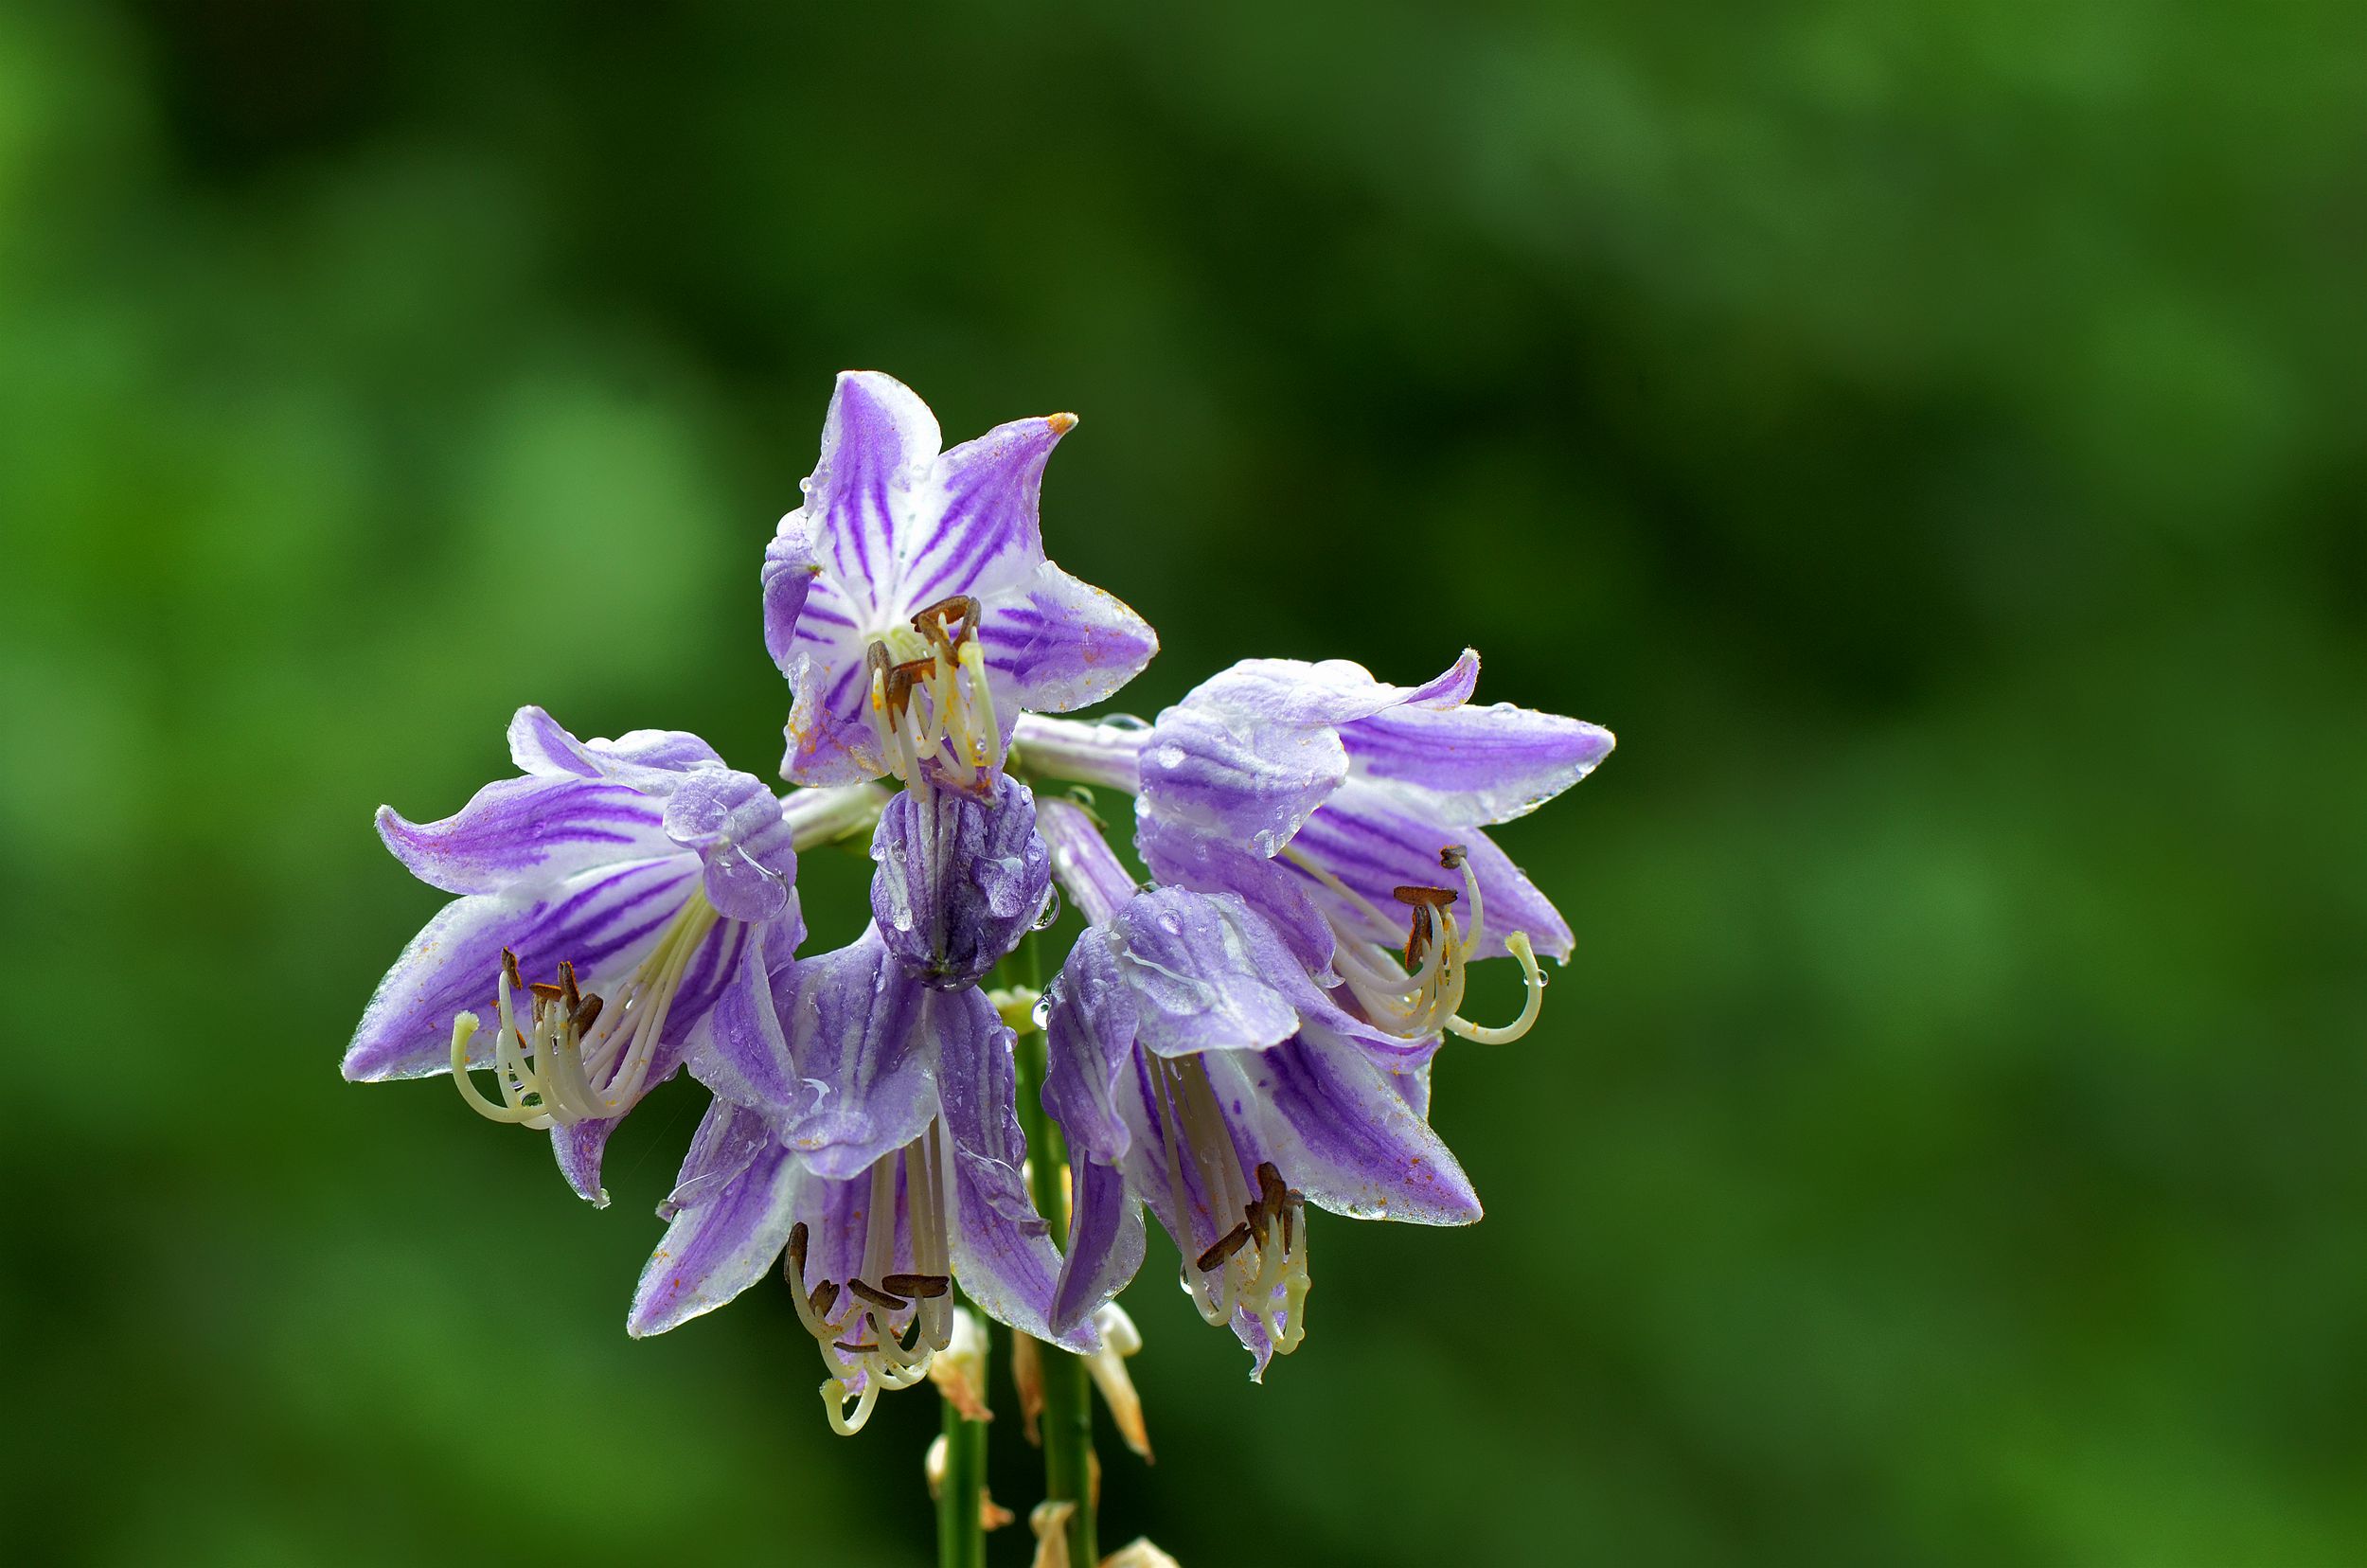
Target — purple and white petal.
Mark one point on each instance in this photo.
(579, 1148)
(961, 879)
(734, 821)
(1106, 1244)
(1197, 966)
(603, 922)
(719, 1247)
(729, 1139)
(1054, 644)
(1228, 773)
(1001, 1248)
(861, 1036)
(1184, 857)
(518, 830)
(1089, 1035)
(879, 442)
(737, 1045)
(1471, 766)
(980, 533)
(649, 760)
(1342, 1132)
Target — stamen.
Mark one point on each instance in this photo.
(954, 729)
(857, 1325)
(1244, 1270)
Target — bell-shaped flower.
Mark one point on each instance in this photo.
(1349, 812)
(962, 878)
(1197, 1068)
(611, 896)
(909, 602)
(880, 1153)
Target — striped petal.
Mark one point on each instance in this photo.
(523, 830)
(604, 921)
(724, 1240)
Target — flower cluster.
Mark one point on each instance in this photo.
(1247, 1036)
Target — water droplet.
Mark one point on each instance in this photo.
(1169, 923)
(1041, 1011)
(1049, 912)
(1169, 756)
(1125, 722)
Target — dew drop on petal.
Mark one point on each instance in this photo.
(1041, 1012)
(1169, 756)
(1050, 912)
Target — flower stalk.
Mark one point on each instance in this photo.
(961, 1490)
(1068, 1412)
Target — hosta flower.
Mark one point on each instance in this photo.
(1349, 812)
(880, 1153)
(962, 878)
(608, 897)
(910, 604)
(1196, 1067)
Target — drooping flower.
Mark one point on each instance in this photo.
(909, 602)
(883, 1156)
(1349, 812)
(610, 898)
(1196, 1067)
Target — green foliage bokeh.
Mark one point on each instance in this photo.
(1930, 436)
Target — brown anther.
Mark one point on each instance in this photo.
(1453, 857)
(798, 1235)
(509, 968)
(586, 1010)
(876, 1296)
(1231, 1242)
(545, 992)
(917, 1287)
(902, 678)
(1431, 901)
(856, 1349)
(931, 622)
(1271, 1189)
(1253, 1215)
(567, 985)
(876, 665)
(825, 1297)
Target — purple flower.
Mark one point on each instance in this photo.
(883, 1157)
(1349, 813)
(1196, 1067)
(961, 879)
(910, 604)
(614, 902)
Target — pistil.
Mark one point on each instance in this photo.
(883, 1327)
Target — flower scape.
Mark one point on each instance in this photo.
(1243, 1038)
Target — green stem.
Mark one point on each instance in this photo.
(961, 1533)
(1068, 1412)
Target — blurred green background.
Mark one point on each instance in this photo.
(1930, 436)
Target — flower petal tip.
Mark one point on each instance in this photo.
(1061, 423)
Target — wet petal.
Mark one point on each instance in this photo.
(980, 532)
(1230, 774)
(718, 1247)
(1055, 644)
(1090, 1045)
(737, 1046)
(1341, 1131)
(1106, 1242)
(649, 760)
(1196, 967)
(734, 820)
(1003, 1251)
(1469, 766)
(518, 830)
(862, 1034)
(603, 922)
(879, 442)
